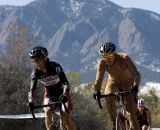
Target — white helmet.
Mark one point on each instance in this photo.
(141, 102)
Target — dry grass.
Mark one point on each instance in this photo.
(156, 121)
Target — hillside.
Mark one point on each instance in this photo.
(73, 30)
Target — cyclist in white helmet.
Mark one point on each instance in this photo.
(143, 115)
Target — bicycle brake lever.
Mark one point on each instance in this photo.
(33, 115)
(65, 107)
(99, 103)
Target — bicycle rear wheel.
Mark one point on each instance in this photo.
(120, 125)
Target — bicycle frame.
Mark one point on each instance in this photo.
(119, 124)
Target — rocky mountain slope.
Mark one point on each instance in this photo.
(72, 30)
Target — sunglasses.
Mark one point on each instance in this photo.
(108, 56)
(141, 106)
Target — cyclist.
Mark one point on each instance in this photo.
(55, 83)
(122, 74)
(143, 115)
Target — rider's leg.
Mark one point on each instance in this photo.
(144, 127)
(48, 117)
(131, 108)
(111, 107)
(111, 101)
(48, 114)
(66, 118)
(127, 124)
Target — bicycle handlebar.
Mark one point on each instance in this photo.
(114, 94)
(48, 105)
(110, 94)
(99, 103)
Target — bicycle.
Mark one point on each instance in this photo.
(120, 123)
(58, 123)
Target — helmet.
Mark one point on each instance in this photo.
(107, 48)
(38, 51)
(141, 102)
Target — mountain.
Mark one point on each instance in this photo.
(72, 30)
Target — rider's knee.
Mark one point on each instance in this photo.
(66, 117)
(48, 112)
(144, 127)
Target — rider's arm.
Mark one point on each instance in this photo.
(99, 75)
(136, 75)
(32, 87)
(63, 79)
(148, 113)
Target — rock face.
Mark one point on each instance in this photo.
(72, 31)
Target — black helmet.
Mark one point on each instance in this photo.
(107, 48)
(38, 51)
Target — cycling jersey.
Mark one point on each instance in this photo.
(142, 117)
(53, 81)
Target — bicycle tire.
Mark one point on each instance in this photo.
(119, 124)
(58, 123)
(55, 126)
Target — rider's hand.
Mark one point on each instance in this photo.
(97, 95)
(31, 106)
(63, 98)
(134, 89)
(66, 93)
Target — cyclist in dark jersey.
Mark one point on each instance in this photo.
(143, 115)
(55, 83)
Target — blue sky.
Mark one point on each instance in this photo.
(152, 5)
(15, 2)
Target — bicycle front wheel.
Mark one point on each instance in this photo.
(120, 125)
(57, 126)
